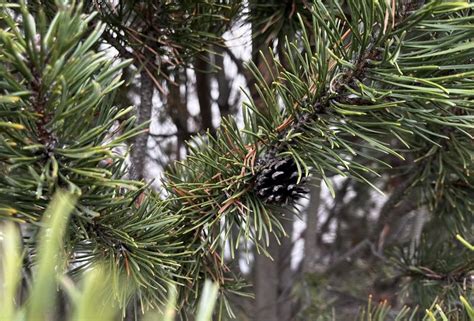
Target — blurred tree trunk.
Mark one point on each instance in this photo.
(274, 278)
(177, 109)
(223, 83)
(203, 90)
(311, 231)
(268, 271)
(285, 273)
(139, 149)
(266, 282)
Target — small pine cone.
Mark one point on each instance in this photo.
(277, 181)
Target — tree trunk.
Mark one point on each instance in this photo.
(139, 150)
(266, 284)
(203, 90)
(267, 272)
(177, 109)
(222, 83)
(311, 231)
(285, 275)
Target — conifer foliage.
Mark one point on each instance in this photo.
(59, 130)
(355, 85)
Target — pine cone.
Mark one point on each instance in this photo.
(277, 181)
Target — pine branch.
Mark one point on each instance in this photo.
(356, 97)
(353, 83)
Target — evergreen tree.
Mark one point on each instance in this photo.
(361, 89)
